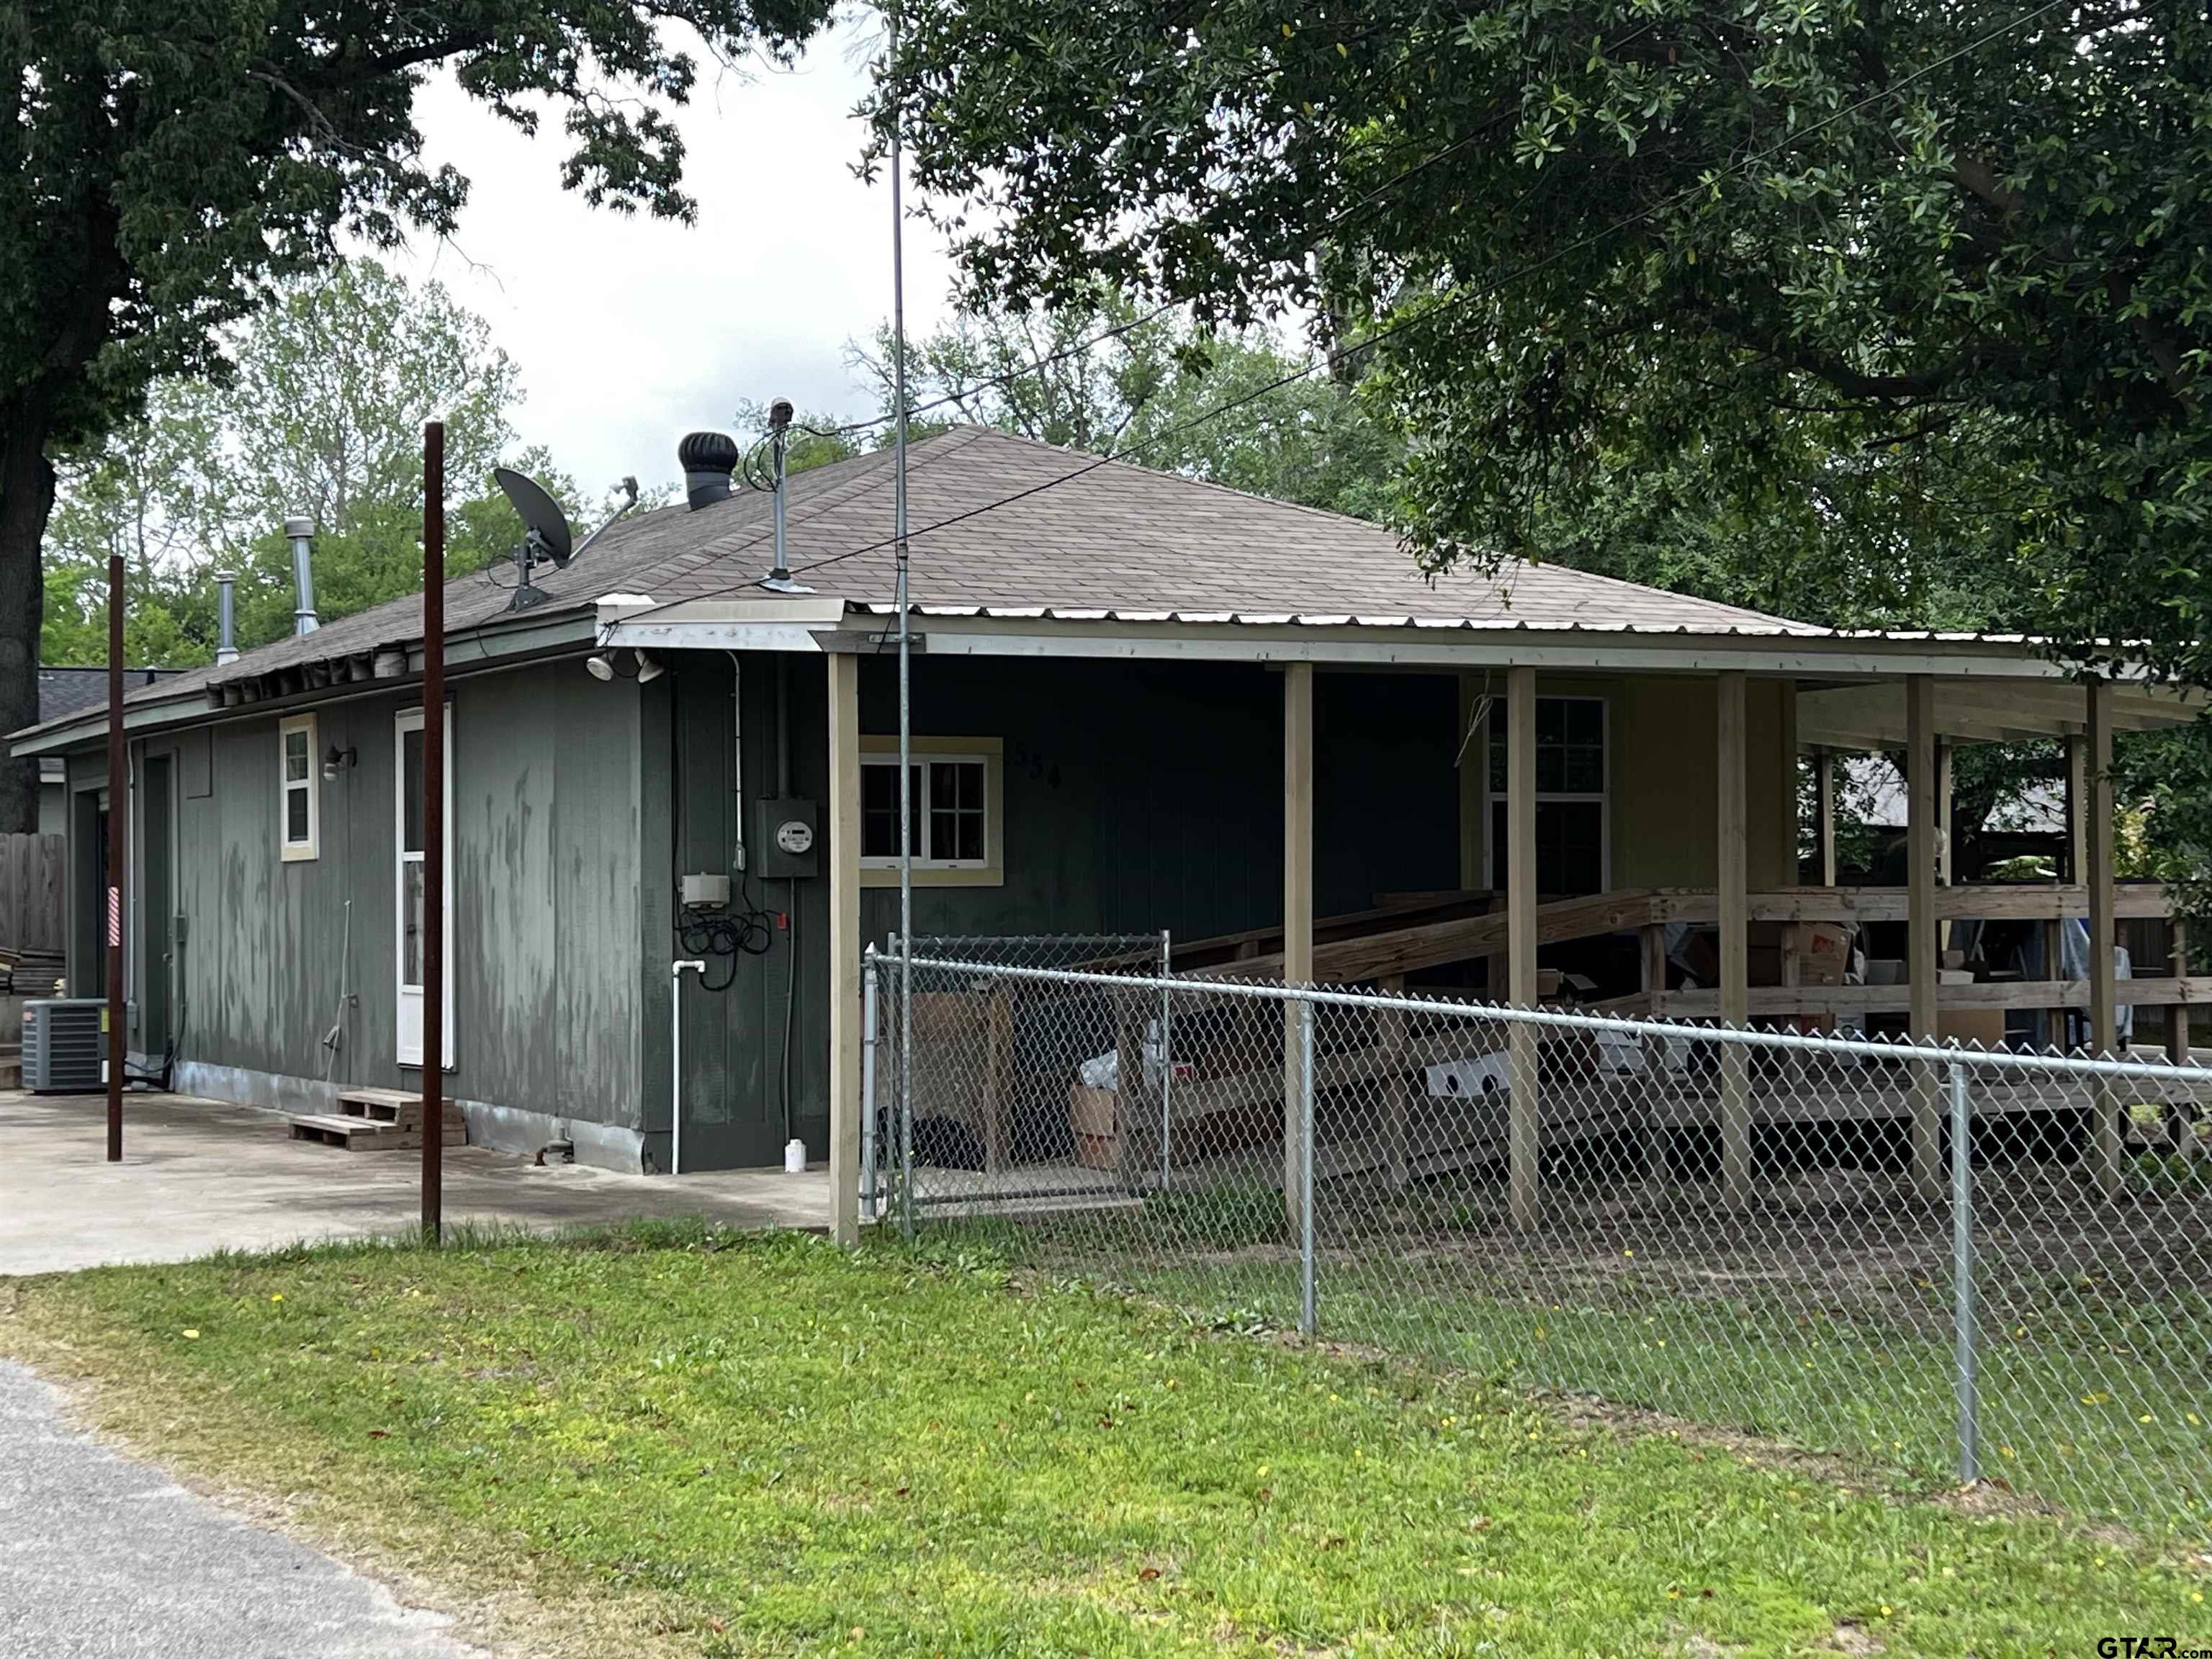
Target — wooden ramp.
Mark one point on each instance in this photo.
(377, 1120)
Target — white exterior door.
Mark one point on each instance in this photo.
(407, 881)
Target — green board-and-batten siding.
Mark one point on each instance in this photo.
(544, 920)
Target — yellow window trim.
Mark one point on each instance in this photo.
(992, 872)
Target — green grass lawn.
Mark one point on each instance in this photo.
(684, 1441)
(2095, 1396)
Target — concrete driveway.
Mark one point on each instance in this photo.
(105, 1559)
(198, 1176)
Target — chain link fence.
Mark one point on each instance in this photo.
(1762, 1233)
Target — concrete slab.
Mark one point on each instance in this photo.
(198, 1176)
(107, 1560)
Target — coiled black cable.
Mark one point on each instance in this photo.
(708, 932)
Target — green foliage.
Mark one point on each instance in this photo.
(1142, 391)
(685, 1443)
(1844, 307)
(322, 413)
(170, 165)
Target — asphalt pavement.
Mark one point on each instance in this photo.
(101, 1558)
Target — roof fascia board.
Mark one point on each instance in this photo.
(512, 651)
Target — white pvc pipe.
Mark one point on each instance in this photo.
(676, 972)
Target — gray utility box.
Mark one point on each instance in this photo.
(65, 1048)
(785, 841)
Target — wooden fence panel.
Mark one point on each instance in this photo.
(32, 870)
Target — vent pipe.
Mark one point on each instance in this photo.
(226, 602)
(301, 532)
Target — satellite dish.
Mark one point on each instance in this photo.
(546, 525)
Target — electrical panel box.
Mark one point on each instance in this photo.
(705, 892)
(786, 843)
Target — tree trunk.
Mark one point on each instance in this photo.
(26, 497)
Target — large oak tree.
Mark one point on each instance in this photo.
(165, 161)
(1884, 310)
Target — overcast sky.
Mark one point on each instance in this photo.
(631, 331)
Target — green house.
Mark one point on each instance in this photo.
(1140, 703)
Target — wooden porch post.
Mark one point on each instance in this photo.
(2077, 816)
(2180, 1119)
(846, 1036)
(1523, 1132)
(1733, 887)
(1824, 772)
(1924, 957)
(2106, 1149)
(1298, 905)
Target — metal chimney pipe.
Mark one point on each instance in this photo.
(226, 599)
(301, 532)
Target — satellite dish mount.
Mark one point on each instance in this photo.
(546, 539)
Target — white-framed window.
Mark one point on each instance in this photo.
(958, 795)
(299, 806)
(1574, 850)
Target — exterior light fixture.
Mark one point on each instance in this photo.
(336, 759)
(600, 666)
(647, 668)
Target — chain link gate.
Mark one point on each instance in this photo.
(984, 1119)
(1757, 1231)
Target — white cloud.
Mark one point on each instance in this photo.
(631, 331)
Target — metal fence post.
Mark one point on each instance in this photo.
(1167, 1064)
(868, 1149)
(1964, 1380)
(904, 1092)
(1309, 1311)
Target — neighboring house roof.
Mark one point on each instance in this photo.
(66, 693)
(63, 692)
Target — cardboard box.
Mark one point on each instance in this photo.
(1823, 951)
(1091, 1111)
(1098, 1152)
(1970, 1026)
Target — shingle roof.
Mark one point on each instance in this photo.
(66, 691)
(1081, 538)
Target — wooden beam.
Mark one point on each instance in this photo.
(1984, 901)
(1524, 1144)
(1922, 955)
(1824, 786)
(2107, 1149)
(1732, 885)
(1297, 965)
(1946, 828)
(846, 1035)
(1768, 1002)
(2077, 804)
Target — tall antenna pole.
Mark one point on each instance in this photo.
(905, 702)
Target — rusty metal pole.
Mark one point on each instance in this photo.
(433, 830)
(118, 809)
